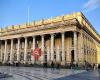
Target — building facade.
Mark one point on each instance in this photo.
(63, 39)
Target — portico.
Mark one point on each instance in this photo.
(52, 45)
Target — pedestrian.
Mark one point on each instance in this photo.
(58, 65)
(52, 65)
(71, 65)
(94, 67)
(45, 64)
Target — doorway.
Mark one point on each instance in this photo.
(72, 56)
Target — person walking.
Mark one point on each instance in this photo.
(58, 65)
(52, 65)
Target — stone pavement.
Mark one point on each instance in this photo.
(89, 75)
(30, 73)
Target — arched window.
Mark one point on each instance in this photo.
(72, 56)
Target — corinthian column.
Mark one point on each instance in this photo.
(42, 47)
(63, 48)
(25, 50)
(52, 47)
(18, 50)
(5, 51)
(32, 58)
(75, 46)
(11, 51)
(1, 50)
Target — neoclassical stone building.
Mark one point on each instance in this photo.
(64, 39)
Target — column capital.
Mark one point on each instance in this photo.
(33, 35)
(26, 37)
(52, 34)
(42, 35)
(19, 38)
(74, 31)
(62, 32)
(5, 40)
(11, 39)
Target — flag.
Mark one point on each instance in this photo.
(37, 53)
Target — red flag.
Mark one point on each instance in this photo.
(37, 53)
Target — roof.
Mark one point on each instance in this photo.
(78, 15)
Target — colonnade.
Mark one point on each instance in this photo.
(50, 52)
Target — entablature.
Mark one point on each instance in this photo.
(72, 22)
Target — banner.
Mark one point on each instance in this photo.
(37, 53)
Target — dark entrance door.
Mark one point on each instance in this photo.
(72, 55)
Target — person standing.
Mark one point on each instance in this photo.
(52, 65)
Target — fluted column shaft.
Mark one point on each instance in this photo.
(63, 47)
(75, 46)
(5, 51)
(11, 51)
(33, 47)
(18, 50)
(1, 50)
(25, 50)
(42, 47)
(52, 47)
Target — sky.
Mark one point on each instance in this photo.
(15, 12)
